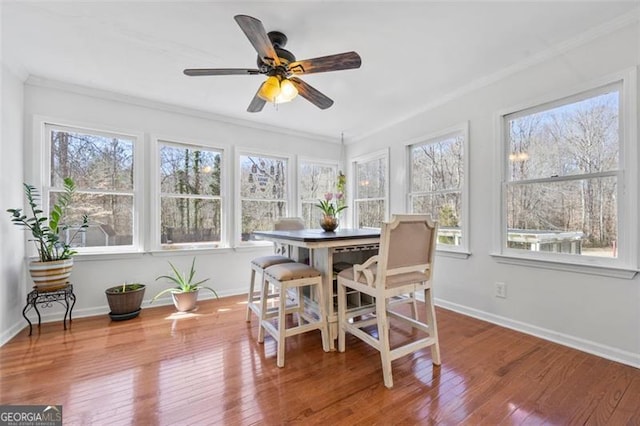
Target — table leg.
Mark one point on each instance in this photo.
(24, 314)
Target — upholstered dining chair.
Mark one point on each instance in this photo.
(259, 264)
(403, 265)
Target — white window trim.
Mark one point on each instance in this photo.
(381, 154)
(463, 250)
(40, 172)
(626, 265)
(308, 160)
(153, 233)
(291, 196)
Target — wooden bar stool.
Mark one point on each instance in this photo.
(292, 276)
(259, 264)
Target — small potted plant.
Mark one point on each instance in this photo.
(125, 300)
(55, 256)
(185, 293)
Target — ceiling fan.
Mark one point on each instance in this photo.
(281, 67)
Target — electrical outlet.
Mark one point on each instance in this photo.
(501, 290)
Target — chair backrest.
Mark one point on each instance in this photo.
(289, 224)
(407, 245)
(286, 224)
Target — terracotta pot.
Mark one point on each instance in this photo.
(185, 302)
(329, 223)
(50, 276)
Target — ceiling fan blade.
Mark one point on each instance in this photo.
(312, 95)
(340, 61)
(257, 103)
(255, 32)
(194, 72)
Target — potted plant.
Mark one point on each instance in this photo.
(55, 256)
(125, 300)
(185, 294)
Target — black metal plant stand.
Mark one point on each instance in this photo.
(45, 299)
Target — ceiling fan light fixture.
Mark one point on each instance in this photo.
(270, 89)
(287, 91)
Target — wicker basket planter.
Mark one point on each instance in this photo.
(125, 301)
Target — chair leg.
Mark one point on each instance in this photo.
(324, 330)
(414, 306)
(250, 297)
(383, 338)
(264, 294)
(282, 329)
(433, 327)
(342, 315)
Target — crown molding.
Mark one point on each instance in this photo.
(37, 81)
(594, 33)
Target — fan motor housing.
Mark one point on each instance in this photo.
(278, 40)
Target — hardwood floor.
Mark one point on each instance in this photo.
(207, 368)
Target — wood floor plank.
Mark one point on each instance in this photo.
(164, 368)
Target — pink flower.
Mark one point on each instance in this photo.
(339, 196)
(328, 196)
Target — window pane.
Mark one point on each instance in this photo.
(370, 213)
(371, 179)
(316, 180)
(189, 171)
(190, 220)
(110, 219)
(93, 161)
(446, 209)
(263, 178)
(576, 138)
(311, 215)
(577, 216)
(437, 166)
(260, 216)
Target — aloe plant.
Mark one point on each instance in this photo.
(46, 231)
(184, 282)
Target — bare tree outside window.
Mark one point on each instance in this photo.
(370, 197)
(436, 183)
(190, 199)
(562, 176)
(315, 180)
(102, 167)
(263, 193)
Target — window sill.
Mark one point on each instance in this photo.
(602, 270)
(453, 254)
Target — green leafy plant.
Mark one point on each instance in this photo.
(46, 231)
(184, 282)
(124, 288)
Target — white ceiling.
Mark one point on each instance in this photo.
(413, 53)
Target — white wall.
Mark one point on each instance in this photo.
(12, 245)
(595, 313)
(228, 268)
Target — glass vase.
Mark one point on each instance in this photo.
(329, 223)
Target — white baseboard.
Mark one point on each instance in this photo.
(608, 352)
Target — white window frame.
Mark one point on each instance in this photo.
(626, 264)
(462, 130)
(312, 161)
(377, 155)
(42, 171)
(156, 198)
(237, 216)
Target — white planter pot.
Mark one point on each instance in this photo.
(49, 276)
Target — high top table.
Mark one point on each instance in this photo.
(324, 248)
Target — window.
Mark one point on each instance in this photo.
(437, 185)
(263, 187)
(190, 195)
(102, 166)
(314, 181)
(370, 199)
(562, 192)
